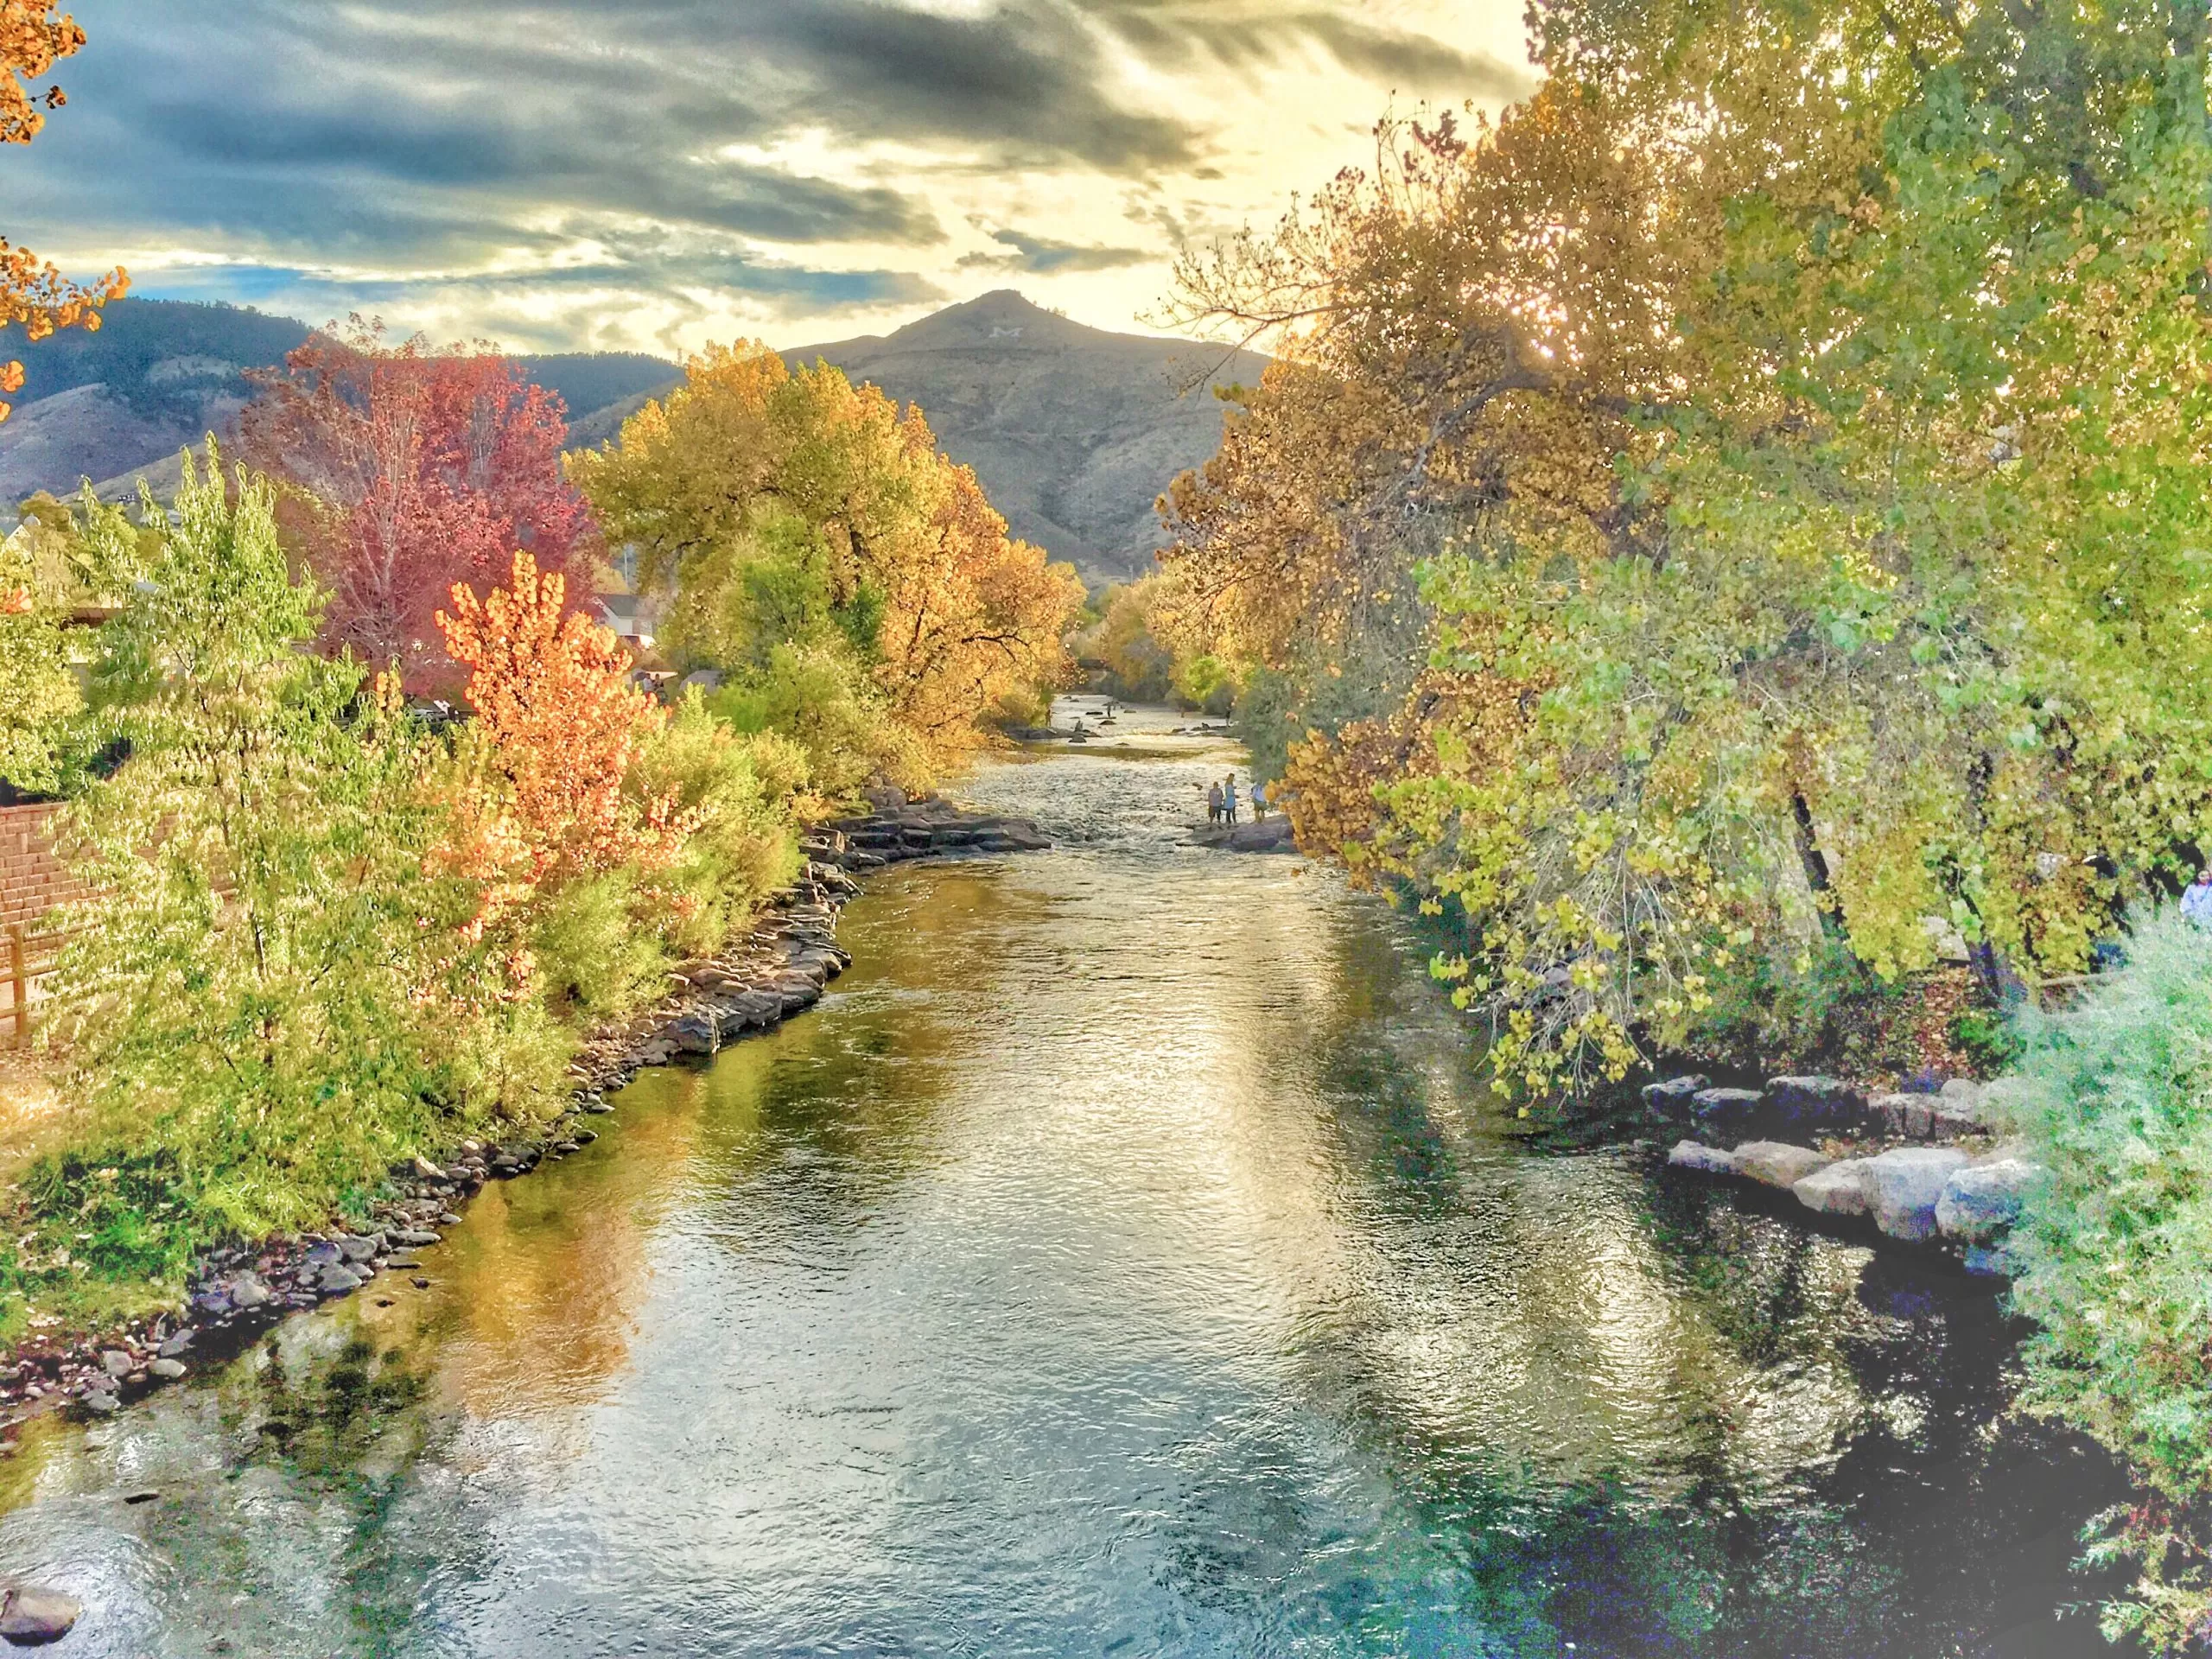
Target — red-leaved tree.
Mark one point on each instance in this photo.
(411, 470)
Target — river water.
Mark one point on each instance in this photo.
(1125, 1259)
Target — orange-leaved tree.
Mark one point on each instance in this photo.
(559, 725)
(32, 292)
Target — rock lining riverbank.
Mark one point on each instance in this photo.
(1918, 1167)
(779, 968)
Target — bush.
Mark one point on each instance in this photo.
(2115, 1097)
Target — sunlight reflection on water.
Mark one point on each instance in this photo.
(1126, 1259)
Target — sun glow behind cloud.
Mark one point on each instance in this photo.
(652, 176)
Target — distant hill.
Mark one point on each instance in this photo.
(1073, 432)
(160, 374)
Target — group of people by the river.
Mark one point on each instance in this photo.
(1221, 801)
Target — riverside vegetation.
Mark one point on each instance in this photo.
(331, 936)
(1734, 529)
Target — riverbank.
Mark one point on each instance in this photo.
(778, 968)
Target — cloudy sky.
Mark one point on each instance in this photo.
(654, 174)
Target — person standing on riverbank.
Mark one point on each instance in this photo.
(1228, 800)
(1213, 803)
(1259, 801)
(2196, 900)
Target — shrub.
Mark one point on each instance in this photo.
(2115, 1097)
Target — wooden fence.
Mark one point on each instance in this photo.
(30, 957)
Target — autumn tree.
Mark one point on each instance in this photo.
(34, 294)
(411, 470)
(804, 531)
(1758, 412)
(561, 721)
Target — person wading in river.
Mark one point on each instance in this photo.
(1213, 803)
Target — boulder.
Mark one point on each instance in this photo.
(1719, 1107)
(694, 1033)
(248, 1292)
(1705, 1160)
(1814, 1099)
(168, 1370)
(1674, 1095)
(1954, 1115)
(355, 1249)
(414, 1238)
(1839, 1189)
(117, 1364)
(1903, 1186)
(30, 1616)
(1776, 1163)
(1983, 1200)
(1899, 1113)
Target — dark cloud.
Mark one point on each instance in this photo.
(1042, 257)
(425, 142)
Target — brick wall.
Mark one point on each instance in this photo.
(31, 880)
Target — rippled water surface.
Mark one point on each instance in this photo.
(1123, 1260)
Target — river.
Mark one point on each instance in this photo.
(1125, 1259)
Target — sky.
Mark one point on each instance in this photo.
(651, 174)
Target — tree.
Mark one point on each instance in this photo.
(410, 471)
(561, 722)
(799, 524)
(33, 293)
(271, 992)
(1779, 432)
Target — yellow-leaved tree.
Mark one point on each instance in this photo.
(809, 539)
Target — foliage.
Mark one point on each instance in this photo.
(411, 470)
(559, 724)
(34, 294)
(1986, 1039)
(1121, 642)
(1783, 434)
(271, 999)
(2114, 1097)
(805, 530)
(37, 690)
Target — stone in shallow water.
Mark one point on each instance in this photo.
(1725, 1105)
(1776, 1163)
(1839, 1189)
(1903, 1186)
(30, 1616)
(1802, 1098)
(1673, 1094)
(1705, 1160)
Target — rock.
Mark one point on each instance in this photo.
(1776, 1163)
(1897, 1113)
(168, 1369)
(355, 1249)
(1719, 1106)
(427, 1170)
(1965, 1091)
(1674, 1095)
(1956, 1114)
(30, 1616)
(117, 1364)
(1805, 1099)
(248, 1292)
(322, 1254)
(338, 1279)
(1705, 1160)
(596, 1106)
(101, 1402)
(1839, 1189)
(1983, 1200)
(446, 1218)
(694, 1034)
(414, 1238)
(1903, 1186)
(176, 1345)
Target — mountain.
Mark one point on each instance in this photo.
(160, 374)
(1073, 432)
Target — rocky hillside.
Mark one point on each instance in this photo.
(160, 374)
(1074, 432)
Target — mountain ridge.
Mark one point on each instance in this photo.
(1073, 431)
